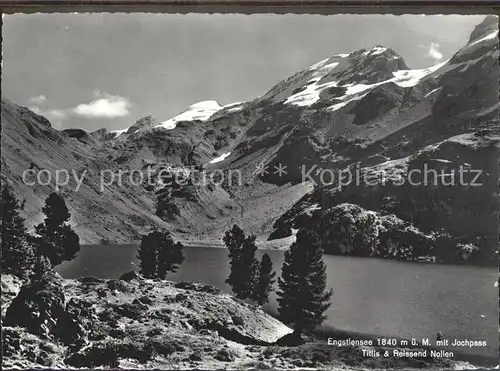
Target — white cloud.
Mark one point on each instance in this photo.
(38, 100)
(56, 117)
(108, 106)
(434, 53)
(57, 114)
(104, 106)
(37, 110)
(53, 113)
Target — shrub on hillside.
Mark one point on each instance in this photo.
(400, 240)
(467, 251)
(221, 142)
(445, 248)
(187, 192)
(166, 208)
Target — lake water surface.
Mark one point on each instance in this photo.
(370, 296)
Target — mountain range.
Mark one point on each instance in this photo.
(365, 112)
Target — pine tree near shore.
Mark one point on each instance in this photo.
(234, 239)
(303, 297)
(248, 266)
(169, 255)
(17, 251)
(159, 254)
(55, 238)
(265, 280)
(148, 254)
(243, 265)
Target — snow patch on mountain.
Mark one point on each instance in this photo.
(409, 78)
(472, 48)
(403, 78)
(466, 139)
(233, 107)
(118, 132)
(432, 91)
(489, 36)
(319, 64)
(338, 106)
(220, 158)
(201, 111)
(310, 93)
(375, 50)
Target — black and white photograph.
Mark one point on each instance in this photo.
(215, 191)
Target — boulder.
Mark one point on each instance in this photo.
(133, 310)
(18, 344)
(145, 300)
(10, 288)
(108, 353)
(224, 355)
(74, 325)
(38, 306)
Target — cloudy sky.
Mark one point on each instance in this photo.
(108, 70)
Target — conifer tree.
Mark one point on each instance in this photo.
(233, 239)
(247, 268)
(148, 254)
(303, 297)
(16, 249)
(55, 238)
(169, 255)
(265, 280)
(159, 254)
(243, 265)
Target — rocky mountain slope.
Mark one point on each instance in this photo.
(366, 111)
(30, 143)
(443, 118)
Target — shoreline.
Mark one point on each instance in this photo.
(282, 245)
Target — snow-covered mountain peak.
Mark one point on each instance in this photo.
(336, 81)
(206, 105)
(364, 66)
(483, 41)
(487, 26)
(200, 111)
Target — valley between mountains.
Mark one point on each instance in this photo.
(366, 112)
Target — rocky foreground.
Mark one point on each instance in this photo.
(142, 323)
